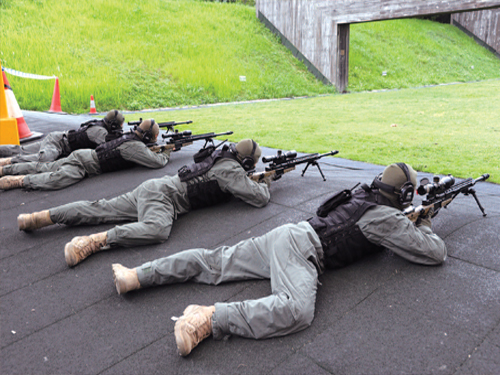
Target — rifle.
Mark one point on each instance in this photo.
(169, 124)
(282, 163)
(440, 193)
(180, 139)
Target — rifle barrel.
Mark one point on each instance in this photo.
(467, 183)
(482, 178)
(173, 123)
(196, 137)
(305, 158)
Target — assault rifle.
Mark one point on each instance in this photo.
(177, 140)
(440, 193)
(169, 124)
(282, 163)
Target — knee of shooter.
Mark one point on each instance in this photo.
(213, 259)
(158, 232)
(301, 309)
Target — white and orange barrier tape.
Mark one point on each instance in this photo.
(26, 75)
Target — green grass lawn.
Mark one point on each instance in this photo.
(445, 129)
(145, 54)
(141, 54)
(161, 53)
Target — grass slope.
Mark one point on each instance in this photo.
(413, 53)
(160, 53)
(146, 54)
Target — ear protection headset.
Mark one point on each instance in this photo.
(147, 135)
(113, 125)
(405, 193)
(248, 162)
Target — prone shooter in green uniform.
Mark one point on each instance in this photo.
(155, 204)
(121, 153)
(59, 144)
(349, 226)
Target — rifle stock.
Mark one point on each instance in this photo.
(161, 148)
(259, 176)
(421, 211)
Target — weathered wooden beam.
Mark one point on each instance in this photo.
(352, 11)
(342, 71)
(318, 30)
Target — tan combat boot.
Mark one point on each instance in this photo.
(36, 220)
(125, 278)
(193, 327)
(81, 247)
(11, 182)
(5, 161)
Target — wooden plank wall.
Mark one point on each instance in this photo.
(308, 30)
(484, 25)
(312, 26)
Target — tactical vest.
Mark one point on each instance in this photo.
(109, 156)
(206, 192)
(78, 139)
(342, 240)
(114, 134)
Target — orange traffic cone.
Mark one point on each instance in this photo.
(92, 105)
(8, 125)
(55, 106)
(14, 111)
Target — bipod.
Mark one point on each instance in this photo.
(473, 193)
(315, 163)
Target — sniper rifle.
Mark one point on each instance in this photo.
(440, 193)
(177, 140)
(282, 163)
(169, 124)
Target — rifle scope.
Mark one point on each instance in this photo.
(177, 135)
(170, 124)
(280, 157)
(435, 187)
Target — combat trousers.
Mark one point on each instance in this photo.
(149, 206)
(57, 174)
(53, 146)
(290, 256)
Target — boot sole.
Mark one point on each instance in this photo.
(180, 339)
(69, 255)
(21, 223)
(120, 284)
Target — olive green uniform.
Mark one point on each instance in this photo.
(78, 165)
(155, 204)
(52, 147)
(291, 256)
